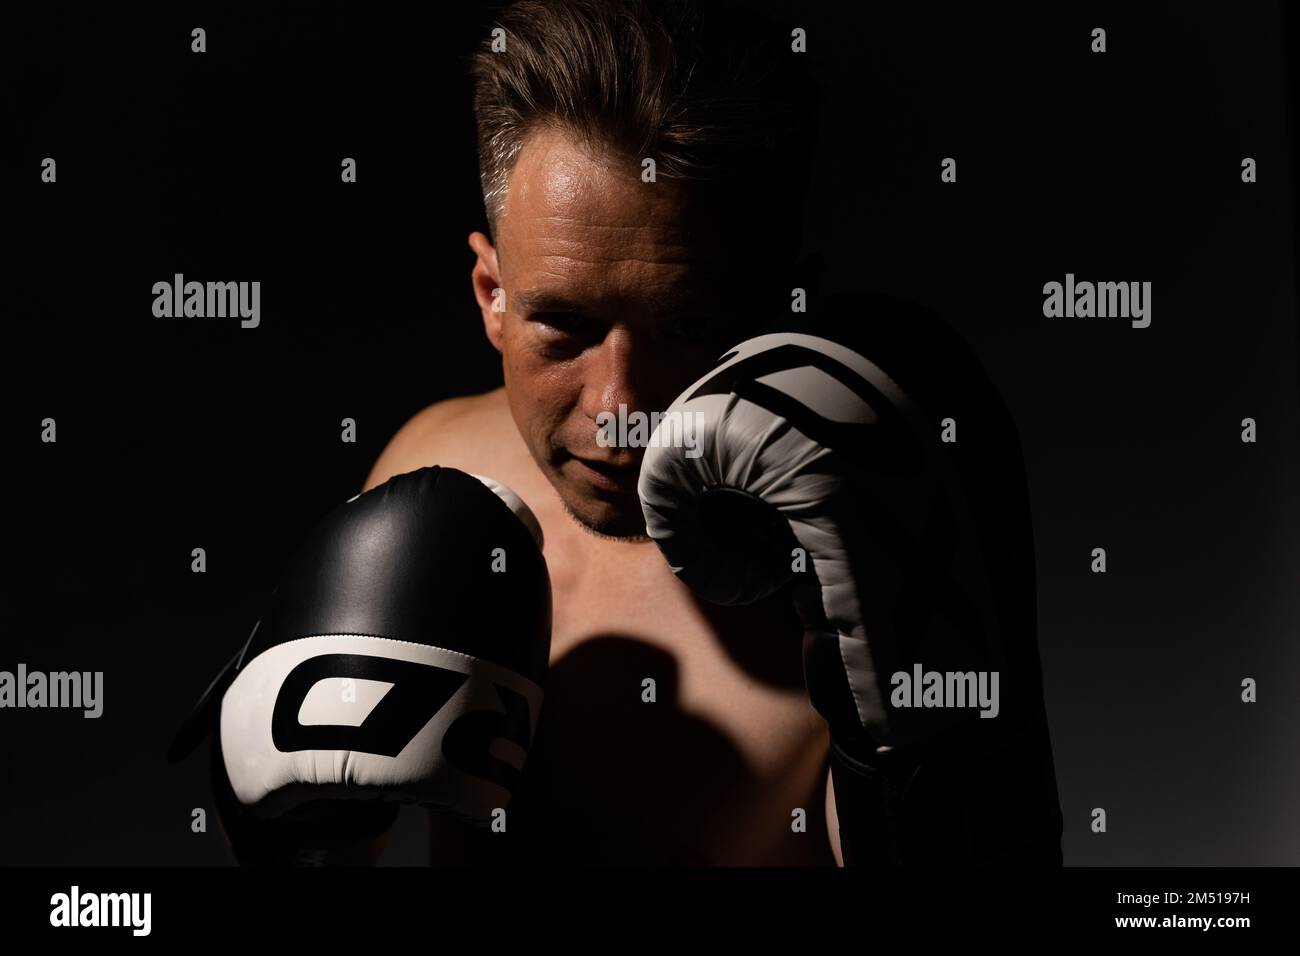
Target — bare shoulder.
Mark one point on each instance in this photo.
(474, 433)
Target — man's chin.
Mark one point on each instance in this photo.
(623, 522)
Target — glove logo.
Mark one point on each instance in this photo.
(467, 741)
(791, 381)
(418, 693)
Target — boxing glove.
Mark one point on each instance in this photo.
(814, 470)
(400, 661)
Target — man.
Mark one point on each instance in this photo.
(642, 169)
(618, 293)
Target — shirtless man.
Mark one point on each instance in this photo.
(608, 292)
(614, 294)
(711, 774)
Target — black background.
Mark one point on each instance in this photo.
(225, 165)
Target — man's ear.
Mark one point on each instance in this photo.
(486, 279)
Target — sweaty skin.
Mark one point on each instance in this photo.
(614, 293)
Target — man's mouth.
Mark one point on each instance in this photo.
(607, 476)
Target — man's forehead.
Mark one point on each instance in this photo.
(581, 231)
(665, 298)
(559, 181)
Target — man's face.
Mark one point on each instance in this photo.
(616, 293)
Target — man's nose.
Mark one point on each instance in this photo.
(623, 371)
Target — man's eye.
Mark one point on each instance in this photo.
(564, 322)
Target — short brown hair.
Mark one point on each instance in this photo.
(710, 90)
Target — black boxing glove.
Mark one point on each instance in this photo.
(400, 661)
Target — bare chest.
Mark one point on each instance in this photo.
(672, 731)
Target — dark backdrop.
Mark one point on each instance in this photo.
(182, 434)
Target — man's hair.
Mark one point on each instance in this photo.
(709, 90)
